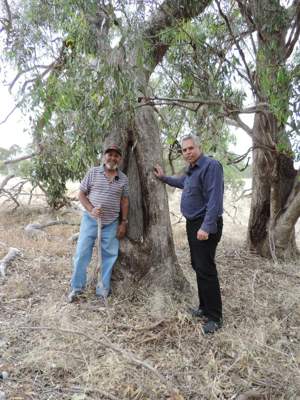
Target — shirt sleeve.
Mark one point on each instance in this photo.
(214, 185)
(85, 184)
(125, 192)
(174, 181)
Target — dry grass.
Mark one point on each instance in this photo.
(55, 350)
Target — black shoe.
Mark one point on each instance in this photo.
(211, 326)
(197, 312)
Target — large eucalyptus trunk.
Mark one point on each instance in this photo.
(274, 187)
(147, 254)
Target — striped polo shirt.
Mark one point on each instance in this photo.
(105, 194)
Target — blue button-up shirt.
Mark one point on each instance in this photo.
(203, 190)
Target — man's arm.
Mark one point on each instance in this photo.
(94, 211)
(214, 183)
(174, 181)
(124, 214)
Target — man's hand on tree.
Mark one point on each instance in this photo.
(158, 171)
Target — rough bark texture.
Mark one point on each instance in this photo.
(273, 171)
(148, 254)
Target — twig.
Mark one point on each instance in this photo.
(11, 112)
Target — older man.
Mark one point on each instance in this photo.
(104, 195)
(202, 206)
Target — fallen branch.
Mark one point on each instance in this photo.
(10, 256)
(37, 229)
(14, 191)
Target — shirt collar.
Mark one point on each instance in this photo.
(198, 164)
(102, 170)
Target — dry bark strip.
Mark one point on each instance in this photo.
(10, 256)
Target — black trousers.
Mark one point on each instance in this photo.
(203, 262)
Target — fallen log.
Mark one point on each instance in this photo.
(36, 229)
(10, 256)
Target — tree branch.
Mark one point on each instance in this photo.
(16, 160)
(8, 20)
(5, 180)
(11, 112)
(294, 33)
(169, 13)
(254, 88)
(228, 108)
(19, 74)
(237, 122)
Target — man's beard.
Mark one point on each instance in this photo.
(111, 166)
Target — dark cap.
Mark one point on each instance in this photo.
(113, 147)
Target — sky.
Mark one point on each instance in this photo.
(12, 131)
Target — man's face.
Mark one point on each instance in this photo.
(112, 160)
(190, 151)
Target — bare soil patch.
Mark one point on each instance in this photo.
(55, 350)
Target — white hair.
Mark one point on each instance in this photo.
(194, 138)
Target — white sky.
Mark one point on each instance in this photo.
(12, 131)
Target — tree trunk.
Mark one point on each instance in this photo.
(148, 254)
(273, 171)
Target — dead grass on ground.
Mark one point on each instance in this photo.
(55, 350)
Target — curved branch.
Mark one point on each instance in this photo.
(5, 181)
(238, 123)
(168, 15)
(19, 74)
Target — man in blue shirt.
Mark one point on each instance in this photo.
(202, 206)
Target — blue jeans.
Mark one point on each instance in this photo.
(109, 250)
